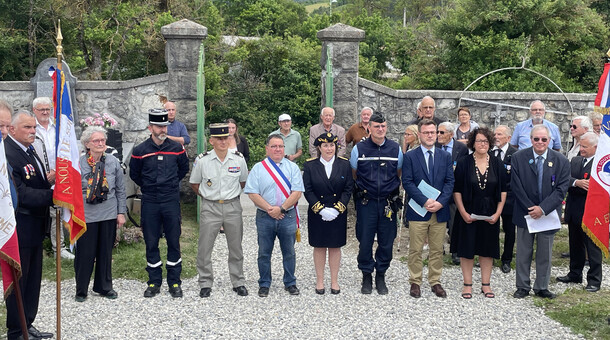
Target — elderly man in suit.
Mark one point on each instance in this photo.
(580, 168)
(446, 142)
(540, 178)
(433, 166)
(504, 151)
(32, 214)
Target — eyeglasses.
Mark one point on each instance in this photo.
(441, 132)
(276, 146)
(574, 127)
(98, 141)
(43, 110)
(482, 141)
(543, 139)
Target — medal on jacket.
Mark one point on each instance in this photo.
(29, 170)
(209, 183)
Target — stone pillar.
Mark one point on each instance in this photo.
(344, 41)
(184, 39)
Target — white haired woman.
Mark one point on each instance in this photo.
(105, 208)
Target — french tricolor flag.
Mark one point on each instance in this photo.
(68, 192)
(596, 218)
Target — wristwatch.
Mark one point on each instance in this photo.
(282, 210)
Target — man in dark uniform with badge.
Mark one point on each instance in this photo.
(32, 215)
(157, 166)
(376, 165)
(218, 177)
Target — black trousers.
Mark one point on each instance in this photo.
(31, 268)
(95, 247)
(509, 238)
(580, 243)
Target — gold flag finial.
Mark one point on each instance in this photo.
(59, 48)
(608, 53)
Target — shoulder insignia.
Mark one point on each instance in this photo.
(201, 155)
(238, 153)
(311, 159)
(343, 158)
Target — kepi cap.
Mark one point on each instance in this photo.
(326, 137)
(284, 117)
(219, 130)
(158, 117)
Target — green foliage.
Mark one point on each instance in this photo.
(265, 78)
(561, 39)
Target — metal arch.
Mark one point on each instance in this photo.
(516, 68)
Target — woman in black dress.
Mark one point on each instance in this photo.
(328, 187)
(479, 189)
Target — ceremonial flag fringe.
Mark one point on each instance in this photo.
(596, 218)
(9, 246)
(68, 189)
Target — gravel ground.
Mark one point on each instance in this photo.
(308, 316)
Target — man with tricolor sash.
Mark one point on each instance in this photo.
(275, 186)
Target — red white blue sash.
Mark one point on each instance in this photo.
(281, 180)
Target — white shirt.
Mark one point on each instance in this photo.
(328, 165)
(45, 144)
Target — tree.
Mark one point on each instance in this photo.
(561, 39)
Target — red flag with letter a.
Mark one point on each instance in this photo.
(596, 220)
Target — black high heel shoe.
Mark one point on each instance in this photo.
(320, 291)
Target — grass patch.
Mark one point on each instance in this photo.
(313, 7)
(585, 313)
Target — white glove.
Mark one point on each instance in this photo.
(329, 214)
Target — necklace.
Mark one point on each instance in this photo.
(476, 169)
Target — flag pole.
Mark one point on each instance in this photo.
(58, 230)
(16, 286)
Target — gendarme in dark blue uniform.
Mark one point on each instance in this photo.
(157, 166)
(376, 163)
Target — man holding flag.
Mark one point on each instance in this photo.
(35, 198)
(596, 215)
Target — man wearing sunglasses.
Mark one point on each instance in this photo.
(579, 126)
(539, 180)
(521, 135)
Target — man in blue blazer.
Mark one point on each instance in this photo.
(433, 166)
(539, 180)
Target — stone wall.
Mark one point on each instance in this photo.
(487, 108)
(351, 94)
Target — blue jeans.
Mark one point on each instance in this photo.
(285, 230)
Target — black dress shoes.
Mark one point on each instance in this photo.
(568, 279)
(320, 291)
(241, 291)
(505, 268)
(292, 290)
(335, 291)
(38, 334)
(591, 288)
(521, 293)
(175, 291)
(205, 292)
(545, 293)
(263, 291)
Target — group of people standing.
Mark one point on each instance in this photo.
(464, 178)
